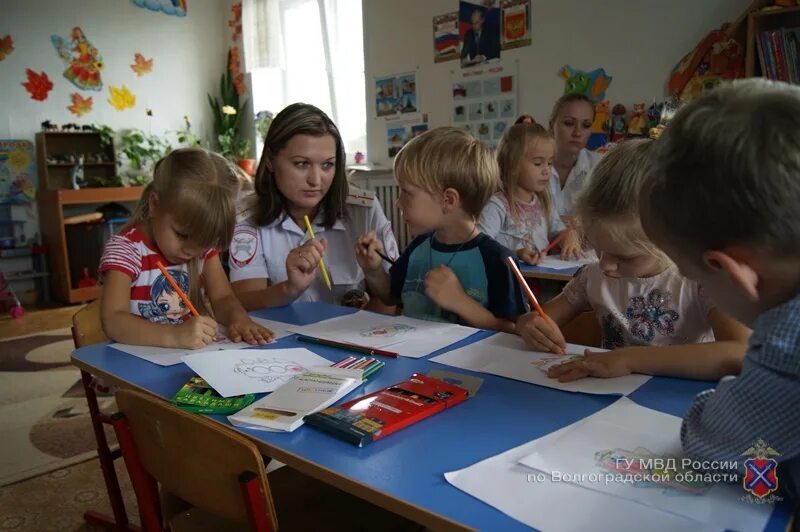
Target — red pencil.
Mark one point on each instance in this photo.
(555, 241)
(525, 288)
(350, 347)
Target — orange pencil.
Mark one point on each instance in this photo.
(555, 241)
(527, 289)
(177, 289)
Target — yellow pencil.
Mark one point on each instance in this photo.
(322, 268)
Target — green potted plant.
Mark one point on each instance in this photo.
(231, 143)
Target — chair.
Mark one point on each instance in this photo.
(583, 330)
(87, 329)
(219, 475)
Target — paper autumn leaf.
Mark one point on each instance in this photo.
(38, 85)
(121, 97)
(6, 46)
(80, 105)
(141, 65)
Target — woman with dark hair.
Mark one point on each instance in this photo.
(302, 173)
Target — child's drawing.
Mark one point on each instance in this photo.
(268, 370)
(652, 469)
(388, 331)
(546, 363)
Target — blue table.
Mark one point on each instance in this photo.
(404, 472)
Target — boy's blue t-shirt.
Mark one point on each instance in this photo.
(479, 265)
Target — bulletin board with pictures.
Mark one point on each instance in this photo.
(399, 132)
(484, 100)
(396, 95)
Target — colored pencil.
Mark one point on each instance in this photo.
(349, 347)
(381, 255)
(344, 362)
(372, 369)
(524, 285)
(177, 288)
(322, 269)
(561, 236)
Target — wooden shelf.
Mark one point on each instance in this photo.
(773, 12)
(70, 165)
(81, 295)
(99, 195)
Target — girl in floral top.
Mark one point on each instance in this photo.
(648, 312)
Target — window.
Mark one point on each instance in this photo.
(323, 66)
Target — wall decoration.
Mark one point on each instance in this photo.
(516, 23)
(6, 46)
(235, 24)
(235, 68)
(17, 172)
(445, 37)
(83, 60)
(401, 130)
(485, 100)
(479, 31)
(141, 65)
(80, 105)
(396, 94)
(121, 97)
(593, 84)
(177, 8)
(38, 85)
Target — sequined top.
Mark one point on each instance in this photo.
(666, 309)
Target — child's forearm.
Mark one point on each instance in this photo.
(475, 315)
(125, 328)
(707, 361)
(228, 309)
(378, 283)
(275, 295)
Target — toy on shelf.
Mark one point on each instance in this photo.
(654, 114)
(717, 57)
(49, 126)
(87, 279)
(638, 124)
(618, 122)
(600, 126)
(9, 300)
(76, 176)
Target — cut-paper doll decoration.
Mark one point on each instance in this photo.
(6, 46)
(83, 61)
(592, 84)
(141, 65)
(80, 105)
(38, 85)
(235, 23)
(170, 7)
(121, 97)
(235, 68)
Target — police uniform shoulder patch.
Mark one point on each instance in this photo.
(244, 245)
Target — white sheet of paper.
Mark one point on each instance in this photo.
(165, 356)
(506, 355)
(239, 371)
(537, 501)
(621, 440)
(410, 337)
(555, 263)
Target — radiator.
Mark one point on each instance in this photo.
(387, 192)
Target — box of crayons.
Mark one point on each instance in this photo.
(367, 365)
(197, 396)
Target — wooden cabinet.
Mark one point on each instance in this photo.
(760, 20)
(58, 200)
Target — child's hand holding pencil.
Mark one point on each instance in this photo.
(369, 252)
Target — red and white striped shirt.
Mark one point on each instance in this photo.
(152, 297)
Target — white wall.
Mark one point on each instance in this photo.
(636, 41)
(188, 52)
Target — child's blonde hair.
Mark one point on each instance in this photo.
(510, 153)
(611, 195)
(449, 157)
(198, 188)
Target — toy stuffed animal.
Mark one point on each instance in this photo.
(654, 114)
(637, 124)
(618, 122)
(600, 126)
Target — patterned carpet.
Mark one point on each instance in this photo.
(44, 420)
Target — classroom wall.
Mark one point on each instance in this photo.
(189, 56)
(637, 42)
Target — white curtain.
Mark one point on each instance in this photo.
(262, 34)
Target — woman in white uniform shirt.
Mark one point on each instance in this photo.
(302, 173)
(571, 124)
